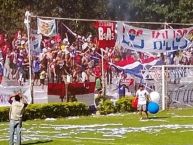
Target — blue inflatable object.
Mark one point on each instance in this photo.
(152, 107)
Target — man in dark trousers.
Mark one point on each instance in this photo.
(122, 89)
(18, 104)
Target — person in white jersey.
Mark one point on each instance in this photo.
(142, 96)
(18, 104)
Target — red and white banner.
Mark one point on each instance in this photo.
(106, 34)
(73, 88)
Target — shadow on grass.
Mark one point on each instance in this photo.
(159, 117)
(38, 142)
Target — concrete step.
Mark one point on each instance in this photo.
(40, 95)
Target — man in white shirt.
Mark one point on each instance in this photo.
(84, 76)
(177, 59)
(142, 96)
(18, 104)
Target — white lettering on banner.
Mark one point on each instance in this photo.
(108, 35)
(100, 31)
(140, 39)
(7, 91)
(106, 24)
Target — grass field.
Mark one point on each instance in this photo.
(174, 127)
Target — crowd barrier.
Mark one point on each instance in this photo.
(61, 89)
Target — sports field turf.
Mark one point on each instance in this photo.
(174, 127)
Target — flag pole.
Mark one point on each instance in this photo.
(27, 22)
(103, 73)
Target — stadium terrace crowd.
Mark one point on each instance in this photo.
(60, 60)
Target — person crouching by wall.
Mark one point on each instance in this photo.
(18, 104)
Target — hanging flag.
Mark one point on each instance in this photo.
(36, 42)
(157, 41)
(151, 61)
(69, 30)
(134, 67)
(69, 35)
(46, 27)
(130, 66)
(106, 34)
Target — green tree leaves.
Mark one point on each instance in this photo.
(12, 11)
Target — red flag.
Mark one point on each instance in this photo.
(134, 103)
(106, 34)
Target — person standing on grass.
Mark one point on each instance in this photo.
(18, 104)
(142, 96)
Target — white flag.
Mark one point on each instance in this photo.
(46, 27)
(36, 42)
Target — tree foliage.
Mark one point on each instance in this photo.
(12, 11)
(152, 10)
